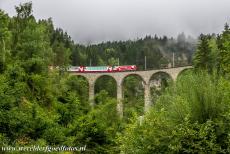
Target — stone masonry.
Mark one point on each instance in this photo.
(119, 78)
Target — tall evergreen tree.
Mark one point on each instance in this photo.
(202, 56)
(4, 39)
(224, 55)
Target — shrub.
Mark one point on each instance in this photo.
(192, 116)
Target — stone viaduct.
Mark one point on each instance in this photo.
(119, 78)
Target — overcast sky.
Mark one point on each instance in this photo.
(91, 21)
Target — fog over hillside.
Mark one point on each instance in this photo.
(93, 21)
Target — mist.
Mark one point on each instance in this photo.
(94, 21)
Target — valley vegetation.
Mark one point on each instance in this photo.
(40, 106)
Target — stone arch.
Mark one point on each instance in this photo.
(160, 72)
(103, 81)
(133, 95)
(101, 75)
(157, 84)
(132, 74)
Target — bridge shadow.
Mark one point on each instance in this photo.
(107, 86)
(158, 83)
(133, 96)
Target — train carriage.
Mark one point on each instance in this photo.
(125, 68)
(94, 69)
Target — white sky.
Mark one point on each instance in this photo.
(90, 21)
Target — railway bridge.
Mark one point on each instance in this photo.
(119, 78)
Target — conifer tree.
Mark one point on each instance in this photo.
(4, 38)
(224, 55)
(202, 56)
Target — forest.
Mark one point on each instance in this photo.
(44, 107)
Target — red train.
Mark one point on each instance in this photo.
(92, 69)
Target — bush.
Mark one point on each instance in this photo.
(191, 117)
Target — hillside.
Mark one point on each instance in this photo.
(159, 52)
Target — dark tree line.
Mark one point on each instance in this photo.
(158, 51)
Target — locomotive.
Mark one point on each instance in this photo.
(95, 69)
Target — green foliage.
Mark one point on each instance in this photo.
(157, 50)
(76, 86)
(24, 11)
(213, 53)
(133, 96)
(44, 107)
(224, 55)
(99, 127)
(29, 107)
(62, 55)
(191, 117)
(158, 84)
(202, 57)
(5, 38)
(108, 84)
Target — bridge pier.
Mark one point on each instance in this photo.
(147, 97)
(119, 100)
(91, 94)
